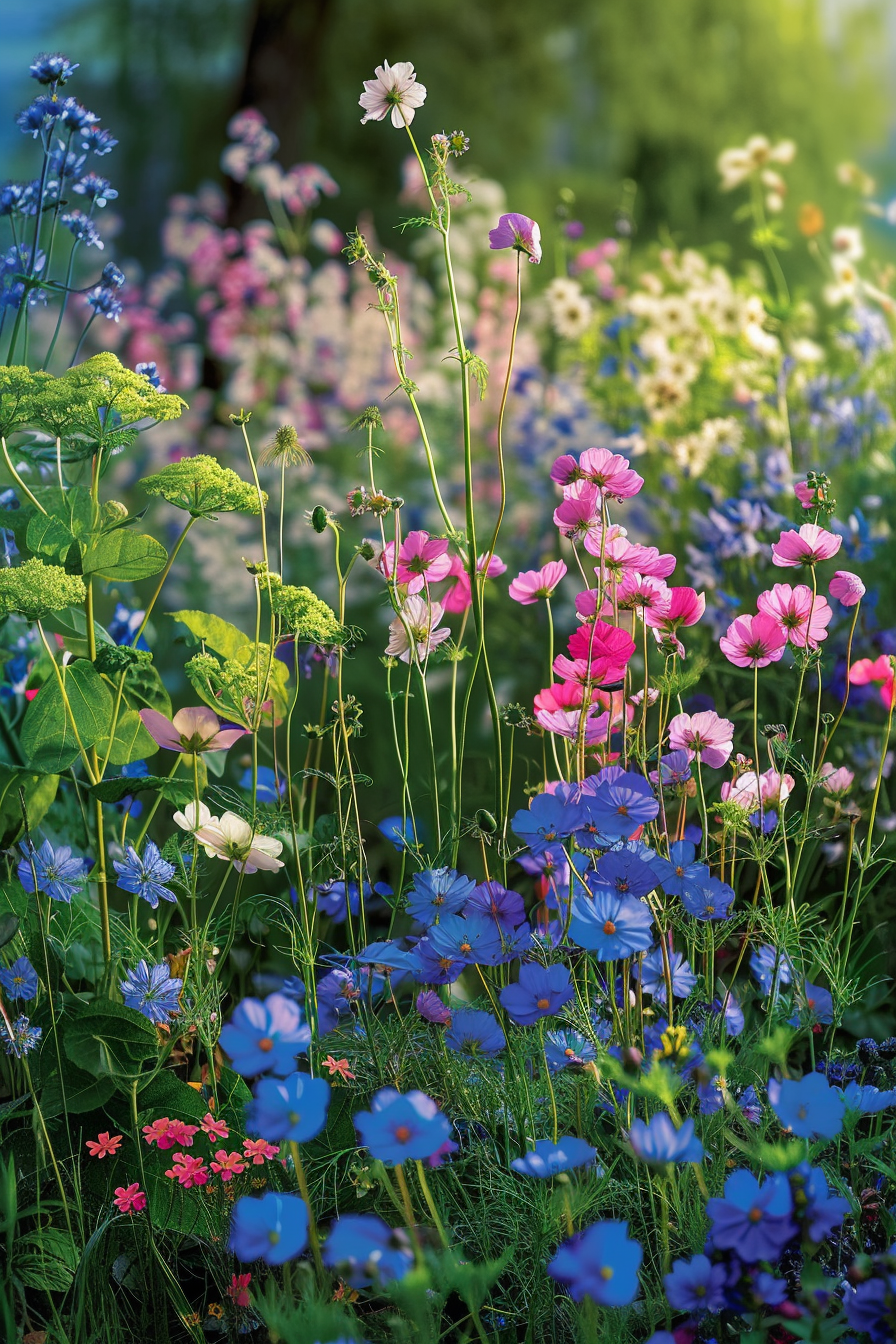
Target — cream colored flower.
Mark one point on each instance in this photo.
(412, 635)
(847, 242)
(231, 838)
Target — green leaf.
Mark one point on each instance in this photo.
(48, 739)
(46, 1258)
(50, 536)
(39, 791)
(9, 927)
(220, 636)
(143, 689)
(124, 556)
(131, 742)
(74, 1091)
(109, 1039)
(116, 787)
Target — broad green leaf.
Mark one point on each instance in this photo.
(116, 787)
(123, 556)
(48, 738)
(45, 1258)
(143, 689)
(73, 1092)
(131, 742)
(220, 636)
(9, 927)
(39, 791)
(109, 1039)
(72, 625)
(50, 536)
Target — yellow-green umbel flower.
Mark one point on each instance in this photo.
(304, 614)
(202, 487)
(35, 590)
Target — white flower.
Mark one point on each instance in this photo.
(736, 165)
(231, 838)
(760, 340)
(395, 89)
(663, 394)
(412, 633)
(193, 817)
(805, 351)
(570, 310)
(847, 242)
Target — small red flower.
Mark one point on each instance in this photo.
(238, 1292)
(105, 1145)
(339, 1066)
(189, 1171)
(228, 1165)
(129, 1199)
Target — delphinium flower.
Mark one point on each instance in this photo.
(808, 546)
(273, 1228)
(803, 616)
(697, 1285)
(394, 92)
(414, 634)
(532, 584)
(232, 839)
(294, 1109)
(567, 1048)
(659, 1142)
(362, 1249)
(191, 730)
(152, 991)
(517, 231)
(809, 1107)
(601, 1262)
(21, 1038)
(549, 1159)
(265, 1037)
(474, 1032)
(59, 874)
(847, 588)
(20, 979)
(539, 992)
(753, 641)
(705, 737)
(401, 1126)
(129, 1199)
(754, 1220)
(611, 926)
(146, 876)
(436, 892)
(651, 971)
(105, 1145)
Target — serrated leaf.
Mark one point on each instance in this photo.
(220, 636)
(50, 536)
(48, 739)
(123, 556)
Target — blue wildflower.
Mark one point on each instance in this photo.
(819, 1005)
(474, 940)
(809, 1107)
(615, 803)
(435, 968)
(38, 114)
(401, 1126)
(673, 769)
(97, 141)
(696, 1286)
(75, 117)
(266, 1037)
(549, 818)
(710, 900)
(475, 1032)
(153, 991)
(659, 1142)
(269, 785)
(609, 925)
(436, 892)
(651, 971)
(863, 1099)
(623, 872)
(20, 979)
(22, 1039)
(146, 876)
(750, 1105)
(104, 303)
(398, 832)
(506, 908)
(53, 69)
(766, 1290)
(96, 188)
(601, 1263)
(362, 1249)
(539, 992)
(686, 872)
(549, 1159)
(566, 1048)
(869, 1306)
(752, 1219)
(294, 1109)
(817, 1209)
(273, 1229)
(338, 989)
(771, 968)
(58, 874)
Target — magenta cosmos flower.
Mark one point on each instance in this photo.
(422, 559)
(802, 617)
(877, 672)
(610, 472)
(517, 231)
(684, 607)
(847, 588)
(395, 89)
(191, 730)
(532, 584)
(806, 547)
(458, 598)
(753, 641)
(705, 737)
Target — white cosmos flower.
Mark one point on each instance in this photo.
(847, 242)
(394, 89)
(193, 817)
(231, 838)
(417, 620)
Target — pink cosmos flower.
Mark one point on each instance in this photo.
(105, 1145)
(191, 730)
(232, 839)
(458, 598)
(772, 787)
(532, 584)
(642, 592)
(609, 472)
(606, 710)
(878, 672)
(685, 607)
(422, 559)
(260, 1151)
(606, 645)
(579, 515)
(129, 1198)
(560, 695)
(847, 588)
(517, 231)
(836, 780)
(704, 736)
(215, 1129)
(413, 634)
(802, 618)
(189, 1171)
(806, 547)
(395, 89)
(228, 1165)
(753, 641)
(238, 1292)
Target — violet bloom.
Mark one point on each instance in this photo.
(705, 737)
(753, 641)
(806, 547)
(395, 90)
(191, 730)
(517, 231)
(803, 617)
(660, 1142)
(847, 588)
(532, 584)
(422, 559)
(755, 1221)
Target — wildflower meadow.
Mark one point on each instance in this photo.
(446, 702)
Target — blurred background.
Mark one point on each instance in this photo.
(579, 94)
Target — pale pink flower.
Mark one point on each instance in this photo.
(458, 597)
(413, 634)
(685, 607)
(805, 547)
(191, 730)
(705, 737)
(803, 618)
(422, 559)
(878, 672)
(847, 588)
(193, 817)
(532, 584)
(771, 787)
(189, 1171)
(231, 838)
(658, 564)
(609, 472)
(753, 641)
(517, 231)
(579, 515)
(395, 89)
(228, 1165)
(129, 1199)
(836, 780)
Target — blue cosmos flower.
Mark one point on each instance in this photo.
(337, 898)
(550, 817)
(816, 1208)
(474, 940)
(601, 1263)
(265, 1037)
(398, 832)
(386, 955)
(734, 1014)
(549, 1159)
(59, 875)
(146, 876)
(435, 968)
(754, 1220)
(696, 1286)
(710, 900)
(436, 892)
(809, 1107)
(674, 768)
(819, 1006)
(609, 925)
(659, 1142)
(539, 992)
(566, 1048)
(863, 1099)
(660, 867)
(651, 972)
(153, 991)
(401, 1126)
(506, 908)
(868, 1308)
(515, 943)
(294, 1109)
(20, 979)
(615, 803)
(338, 989)
(766, 1290)
(771, 968)
(273, 1229)
(624, 873)
(22, 1039)
(475, 1032)
(362, 1249)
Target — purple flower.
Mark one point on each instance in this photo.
(624, 873)
(265, 1037)
(697, 1285)
(549, 1159)
(517, 231)
(398, 1127)
(475, 1032)
(754, 1220)
(431, 1008)
(430, 967)
(616, 802)
(609, 925)
(817, 1209)
(660, 1142)
(809, 1107)
(539, 992)
(601, 1262)
(507, 908)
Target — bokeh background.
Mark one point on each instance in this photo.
(581, 94)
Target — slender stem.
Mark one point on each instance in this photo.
(165, 572)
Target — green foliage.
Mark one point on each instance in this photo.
(123, 556)
(108, 1040)
(53, 732)
(202, 487)
(304, 614)
(23, 788)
